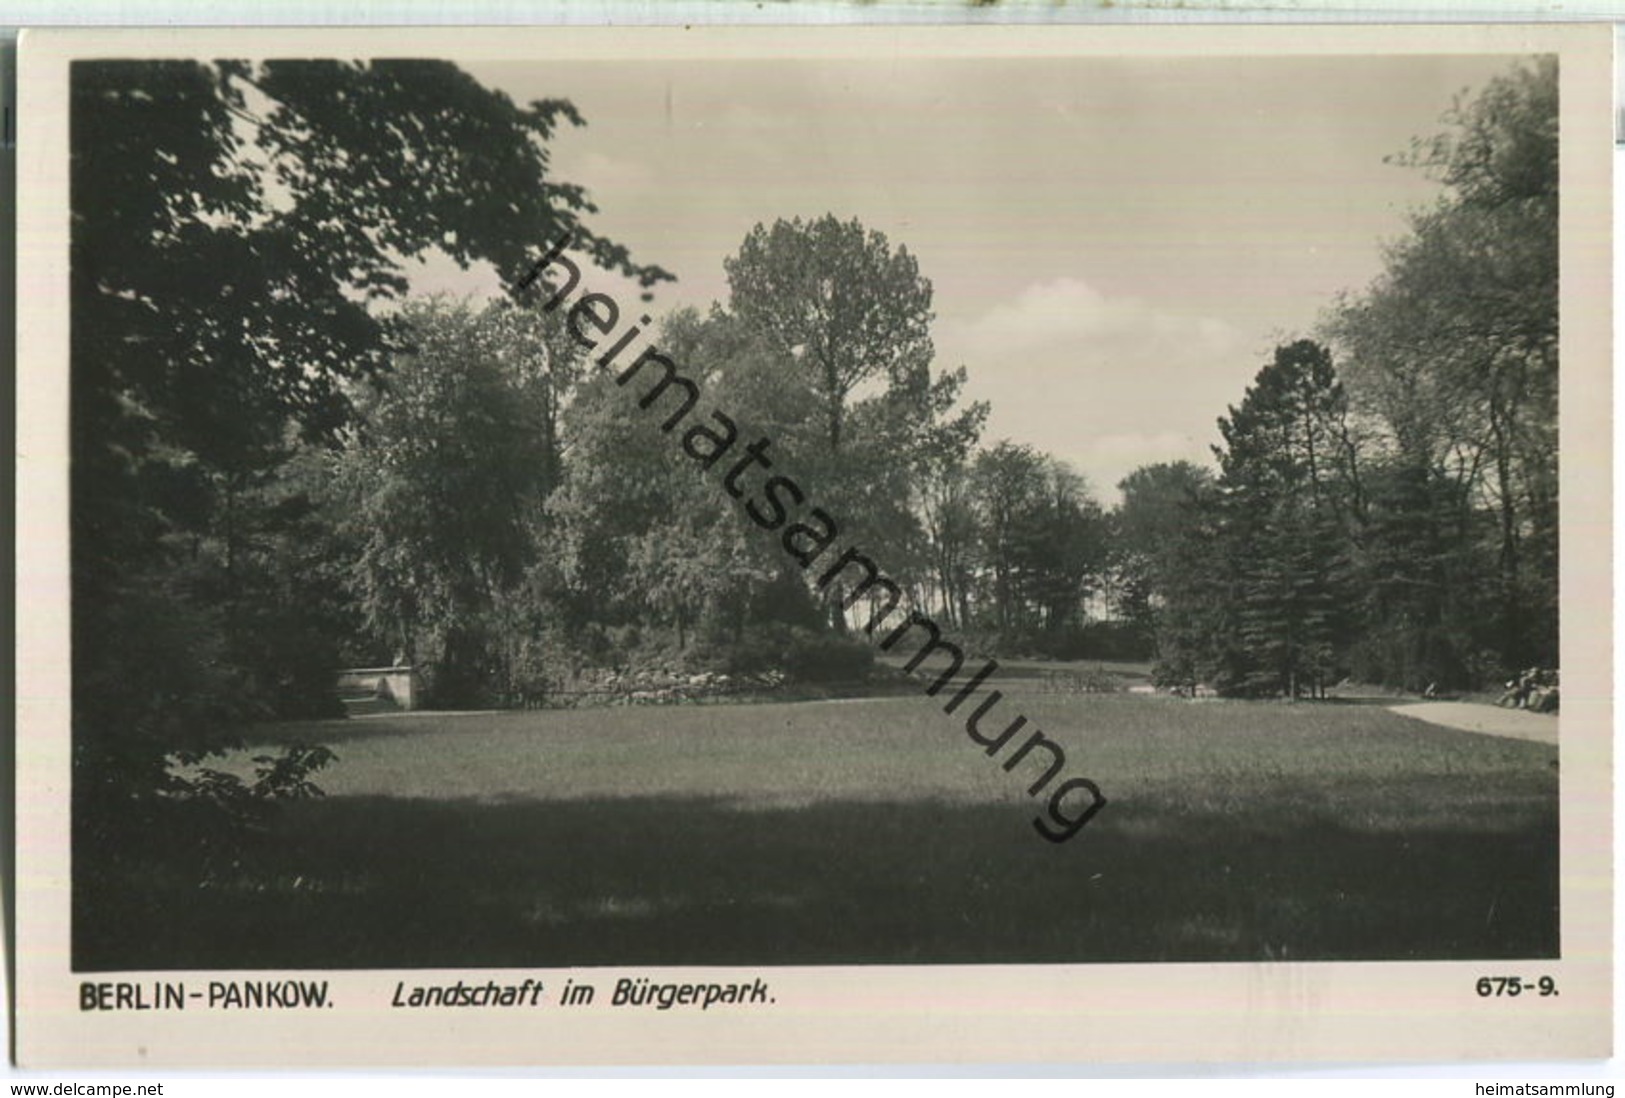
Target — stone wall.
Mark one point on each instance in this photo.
(401, 685)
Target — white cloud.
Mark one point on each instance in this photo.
(1106, 382)
(1070, 313)
(596, 171)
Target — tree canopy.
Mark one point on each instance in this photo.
(1452, 358)
(237, 229)
(839, 300)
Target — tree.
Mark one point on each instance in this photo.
(1420, 561)
(837, 300)
(1008, 486)
(444, 481)
(1286, 480)
(1197, 620)
(948, 517)
(840, 322)
(236, 229)
(647, 538)
(1042, 544)
(1065, 551)
(1149, 527)
(1452, 358)
(233, 223)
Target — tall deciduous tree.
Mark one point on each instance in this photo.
(1157, 514)
(838, 300)
(842, 320)
(445, 482)
(647, 537)
(1452, 356)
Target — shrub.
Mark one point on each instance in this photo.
(802, 654)
(825, 657)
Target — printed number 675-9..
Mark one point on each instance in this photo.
(1515, 985)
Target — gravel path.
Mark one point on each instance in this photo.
(1491, 720)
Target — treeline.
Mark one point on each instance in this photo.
(282, 463)
(508, 515)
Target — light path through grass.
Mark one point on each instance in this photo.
(1488, 720)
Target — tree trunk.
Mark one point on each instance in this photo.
(1512, 646)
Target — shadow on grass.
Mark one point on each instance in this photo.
(378, 882)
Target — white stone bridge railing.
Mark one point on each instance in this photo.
(401, 685)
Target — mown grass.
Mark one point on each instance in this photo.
(870, 831)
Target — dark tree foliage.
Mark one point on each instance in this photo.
(1148, 530)
(1452, 357)
(1421, 561)
(840, 320)
(1041, 545)
(1403, 530)
(1285, 496)
(442, 487)
(1196, 603)
(234, 227)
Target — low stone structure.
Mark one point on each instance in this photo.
(401, 685)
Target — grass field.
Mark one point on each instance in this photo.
(871, 830)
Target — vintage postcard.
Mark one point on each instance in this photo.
(594, 546)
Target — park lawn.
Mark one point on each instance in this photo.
(870, 830)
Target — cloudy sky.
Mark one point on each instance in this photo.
(1116, 245)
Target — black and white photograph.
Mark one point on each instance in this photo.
(581, 516)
